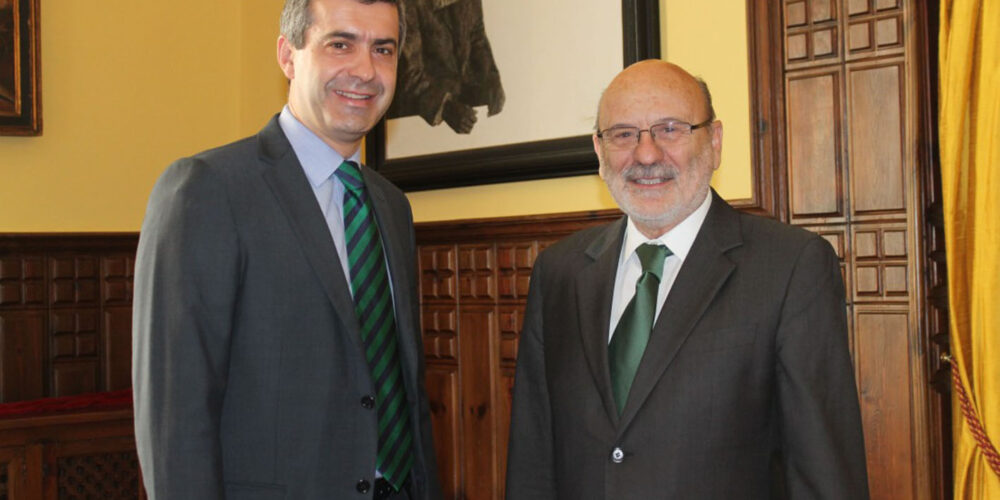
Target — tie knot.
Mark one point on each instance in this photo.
(350, 174)
(651, 256)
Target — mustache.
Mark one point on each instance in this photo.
(635, 172)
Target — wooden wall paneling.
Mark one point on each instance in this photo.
(22, 349)
(65, 313)
(11, 476)
(816, 175)
(876, 122)
(883, 357)
(879, 74)
(441, 381)
(479, 373)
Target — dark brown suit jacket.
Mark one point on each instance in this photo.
(746, 388)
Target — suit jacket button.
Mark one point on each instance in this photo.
(617, 455)
(363, 486)
(368, 402)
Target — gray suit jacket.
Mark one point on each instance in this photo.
(745, 390)
(248, 367)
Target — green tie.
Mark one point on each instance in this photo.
(373, 305)
(632, 333)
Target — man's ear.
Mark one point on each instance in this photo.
(285, 51)
(597, 151)
(717, 141)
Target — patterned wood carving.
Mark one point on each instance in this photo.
(881, 264)
(477, 272)
(22, 281)
(438, 272)
(471, 336)
(104, 475)
(854, 151)
(65, 314)
(812, 33)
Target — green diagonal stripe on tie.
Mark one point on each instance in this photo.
(629, 340)
(373, 305)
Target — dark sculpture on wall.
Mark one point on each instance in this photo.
(446, 66)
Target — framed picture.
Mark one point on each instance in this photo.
(504, 90)
(20, 100)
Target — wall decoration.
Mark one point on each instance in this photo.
(504, 90)
(20, 73)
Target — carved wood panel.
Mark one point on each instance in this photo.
(854, 155)
(474, 283)
(65, 314)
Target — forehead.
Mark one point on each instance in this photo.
(377, 19)
(649, 97)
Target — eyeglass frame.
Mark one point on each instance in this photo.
(639, 131)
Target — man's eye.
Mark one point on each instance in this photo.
(622, 134)
(337, 45)
(385, 51)
(667, 129)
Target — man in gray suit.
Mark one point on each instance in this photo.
(276, 335)
(687, 350)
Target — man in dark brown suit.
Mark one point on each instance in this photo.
(687, 350)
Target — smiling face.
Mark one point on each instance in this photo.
(344, 75)
(657, 186)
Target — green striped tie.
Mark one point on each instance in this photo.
(373, 305)
(632, 333)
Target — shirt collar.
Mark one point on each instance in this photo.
(679, 239)
(318, 160)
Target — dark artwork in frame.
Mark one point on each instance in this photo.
(20, 100)
(533, 159)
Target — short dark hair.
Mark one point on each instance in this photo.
(296, 19)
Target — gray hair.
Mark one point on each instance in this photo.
(296, 19)
(704, 91)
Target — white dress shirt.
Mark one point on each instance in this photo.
(678, 240)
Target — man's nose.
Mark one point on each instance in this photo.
(647, 152)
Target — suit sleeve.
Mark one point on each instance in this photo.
(820, 422)
(530, 466)
(186, 283)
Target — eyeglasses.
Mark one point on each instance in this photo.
(663, 134)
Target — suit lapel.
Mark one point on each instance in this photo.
(289, 184)
(595, 285)
(702, 275)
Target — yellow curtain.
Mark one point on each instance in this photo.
(969, 130)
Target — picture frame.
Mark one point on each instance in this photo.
(20, 68)
(535, 159)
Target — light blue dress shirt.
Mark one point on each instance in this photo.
(320, 161)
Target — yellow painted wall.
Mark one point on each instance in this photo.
(130, 86)
(127, 87)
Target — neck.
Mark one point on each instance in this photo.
(343, 147)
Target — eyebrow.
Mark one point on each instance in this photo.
(349, 35)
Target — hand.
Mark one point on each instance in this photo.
(459, 117)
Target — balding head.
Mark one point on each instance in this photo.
(656, 72)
